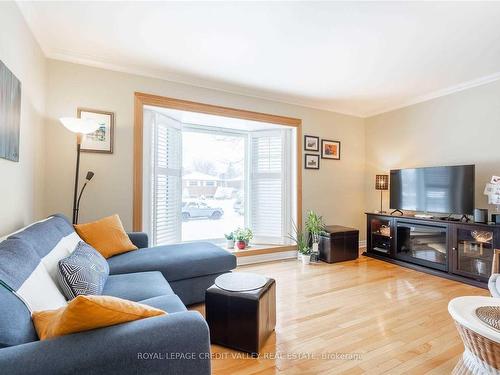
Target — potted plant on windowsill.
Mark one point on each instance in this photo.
(229, 240)
(243, 237)
(302, 241)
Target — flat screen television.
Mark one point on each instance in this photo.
(448, 190)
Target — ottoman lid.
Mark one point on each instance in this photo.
(240, 281)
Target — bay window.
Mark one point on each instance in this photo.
(206, 175)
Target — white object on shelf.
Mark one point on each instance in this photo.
(424, 216)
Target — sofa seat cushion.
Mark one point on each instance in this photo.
(175, 262)
(137, 286)
(170, 304)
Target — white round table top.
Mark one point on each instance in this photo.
(240, 281)
(463, 310)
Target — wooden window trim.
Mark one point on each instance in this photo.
(142, 99)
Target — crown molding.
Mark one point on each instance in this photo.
(437, 94)
(189, 80)
(238, 90)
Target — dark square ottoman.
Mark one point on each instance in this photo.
(241, 319)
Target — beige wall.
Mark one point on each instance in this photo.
(456, 129)
(335, 191)
(462, 128)
(21, 184)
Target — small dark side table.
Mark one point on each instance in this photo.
(339, 244)
(241, 311)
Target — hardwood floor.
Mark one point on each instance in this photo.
(374, 316)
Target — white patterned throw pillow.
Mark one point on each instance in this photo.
(84, 272)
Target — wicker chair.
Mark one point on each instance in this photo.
(482, 343)
(494, 281)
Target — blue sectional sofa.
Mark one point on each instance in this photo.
(166, 277)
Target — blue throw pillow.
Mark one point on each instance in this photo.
(84, 272)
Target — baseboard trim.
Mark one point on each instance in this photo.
(273, 256)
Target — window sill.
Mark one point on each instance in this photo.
(262, 249)
(254, 249)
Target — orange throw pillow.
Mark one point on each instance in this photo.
(84, 313)
(107, 236)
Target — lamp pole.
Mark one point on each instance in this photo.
(79, 139)
(381, 191)
(80, 127)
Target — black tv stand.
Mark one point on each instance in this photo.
(396, 210)
(442, 246)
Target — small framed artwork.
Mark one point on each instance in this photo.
(311, 143)
(330, 149)
(311, 161)
(102, 139)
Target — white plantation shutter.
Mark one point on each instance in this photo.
(167, 180)
(268, 198)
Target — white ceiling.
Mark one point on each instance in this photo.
(357, 58)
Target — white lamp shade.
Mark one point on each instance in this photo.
(80, 125)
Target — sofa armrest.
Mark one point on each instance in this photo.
(139, 239)
(177, 343)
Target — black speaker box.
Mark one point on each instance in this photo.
(480, 215)
(495, 218)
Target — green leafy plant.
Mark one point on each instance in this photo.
(229, 236)
(243, 234)
(300, 238)
(314, 225)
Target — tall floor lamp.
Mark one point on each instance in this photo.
(81, 127)
(381, 183)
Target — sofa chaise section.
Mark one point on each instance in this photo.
(190, 268)
(137, 286)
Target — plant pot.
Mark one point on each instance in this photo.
(230, 244)
(241, 245)
(306, 258)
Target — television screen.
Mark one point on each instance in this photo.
(447, 190)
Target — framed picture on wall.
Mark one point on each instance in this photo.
(311, 143)
(102, 139)
(10, 114)
(330, 149)
(311, 161)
